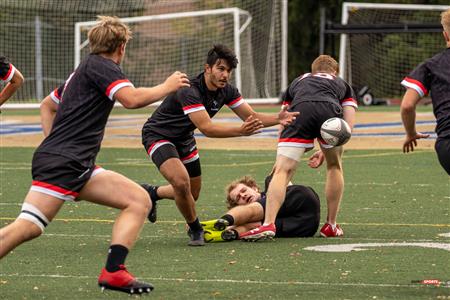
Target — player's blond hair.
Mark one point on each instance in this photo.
(445, 20)
(108, 34)
(247, 180)
(325, 64)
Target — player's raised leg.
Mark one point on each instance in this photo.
(334, 189)
(115, 190)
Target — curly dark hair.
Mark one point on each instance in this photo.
(222, 52)
(247, 180)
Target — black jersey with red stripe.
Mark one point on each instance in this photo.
(319, 87)
(433, 75)
(6, 69)
(84, 108)
(171, 118)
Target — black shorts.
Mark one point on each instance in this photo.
(307, 125)
(60, 176)
(161, 149)
(299, 216)
(442, 148)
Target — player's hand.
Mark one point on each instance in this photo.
(316, 159)
(251, 126)
(285, 117)
(411, 141)
(176, 80)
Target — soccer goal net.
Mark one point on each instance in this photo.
(387, 42)
(45, 39)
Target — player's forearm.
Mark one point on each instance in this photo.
(408, 111)
(218, 131)
(145, 96)
(349, 116)
(267, 119)
(409, 120)
(8, 91)
(11, 87)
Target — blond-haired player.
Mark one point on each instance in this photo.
(63, 167)
(318, 96)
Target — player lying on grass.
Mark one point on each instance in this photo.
(318, 96)
(168, 135)
(63, 166)
(299, 216)
(11, 77)
(433, 76)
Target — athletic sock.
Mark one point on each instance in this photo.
(195, 226)
(333, 226)
(116, 257)
(229, 219)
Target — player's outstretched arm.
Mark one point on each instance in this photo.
(408, 113)
(131, 97)
(283, 117)
(11, 87)
(203, 122)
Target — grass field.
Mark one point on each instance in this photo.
(390, 198)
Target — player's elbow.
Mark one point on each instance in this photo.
(130, 104)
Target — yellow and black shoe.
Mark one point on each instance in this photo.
(213, 236)
(215, 224)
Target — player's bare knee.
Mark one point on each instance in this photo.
(182, 186)
(141, 202)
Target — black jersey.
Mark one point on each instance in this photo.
(319, 87)
(434, 75)
(299, 199)
(171, 118)
(86, 102)
(6, 69)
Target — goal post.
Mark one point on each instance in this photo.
(379, 59)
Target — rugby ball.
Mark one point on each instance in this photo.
(335, 132)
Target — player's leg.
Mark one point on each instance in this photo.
(284, 170)
(115, 190)
(37, 211)
(176, 174)
(238, 219)
(285, 167)
(334, 187)
(442, 148)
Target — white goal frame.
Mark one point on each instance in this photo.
(237, 30)
(347, 6)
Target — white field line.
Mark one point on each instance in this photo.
(231, 281)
